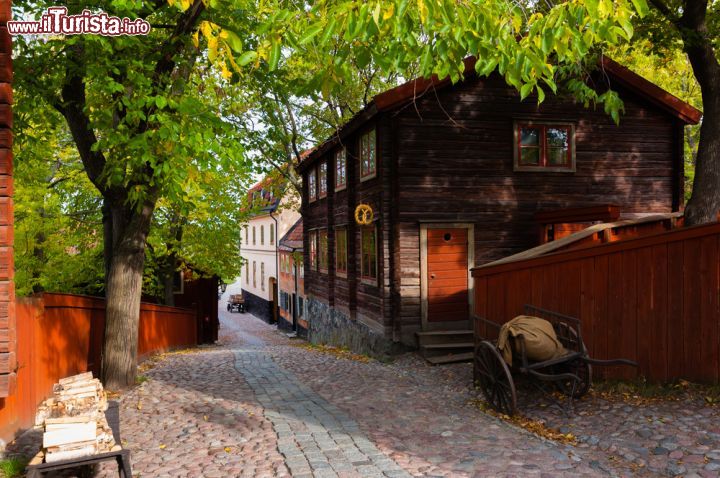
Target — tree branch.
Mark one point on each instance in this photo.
(662, 7)
(72, 107)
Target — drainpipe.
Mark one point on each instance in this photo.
(277, 262)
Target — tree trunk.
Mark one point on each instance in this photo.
(704, 204)
(124, 289)
(167, 277)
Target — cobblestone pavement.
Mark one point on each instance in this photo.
(668, 438)
(197, 416)
(315, 437)
(412, 413)
(255, 405)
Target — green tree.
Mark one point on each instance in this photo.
(536, 46)
(202, 234)
(694, 27)
(671, 70)
(138, 112)
(58, 225)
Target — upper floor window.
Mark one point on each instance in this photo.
(246, 235)
(272, 234)
(253, 235)
(262, 235)
(322, 180)
(313, 250)
(367, 155)
(544, 147)
(323, 250)
(340, 169)
(341, 250)
(312, 185)
(368, 258)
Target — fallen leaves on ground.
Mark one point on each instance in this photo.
(155, 359)
(642, 393)
(535, 427)
(338, 352)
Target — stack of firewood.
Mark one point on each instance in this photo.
(73, 420)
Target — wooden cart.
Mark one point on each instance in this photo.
(571, 374)
(236, 302)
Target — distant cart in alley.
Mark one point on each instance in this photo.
(236, 303)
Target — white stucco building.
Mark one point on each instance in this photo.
(259, 240)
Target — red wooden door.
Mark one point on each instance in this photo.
(447, 275)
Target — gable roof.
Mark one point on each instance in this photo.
(293, 240)
(261, 196)
(416, 88)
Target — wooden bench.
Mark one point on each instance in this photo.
(122, 457)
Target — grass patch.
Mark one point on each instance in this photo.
(339, 352)
(12, 467)
(641, 391)
(140, 379)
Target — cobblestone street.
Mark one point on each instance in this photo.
(258, 405)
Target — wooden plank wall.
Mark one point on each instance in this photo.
(61, 335)
(455, 163)
(370, 302)
(8, 326)
(654, 300)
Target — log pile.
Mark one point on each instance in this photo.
(73, 420)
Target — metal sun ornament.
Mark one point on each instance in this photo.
(364, 214)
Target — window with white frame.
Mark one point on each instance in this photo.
(340, 169)
(368, 157)
(322, 179)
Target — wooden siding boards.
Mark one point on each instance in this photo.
(8, 325)
(462, 170)
(448, 157)
(61, 335)
(653, 299)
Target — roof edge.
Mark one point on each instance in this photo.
(651, 92)
(416, 88)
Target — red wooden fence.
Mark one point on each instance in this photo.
(61, 334)
(654, 299)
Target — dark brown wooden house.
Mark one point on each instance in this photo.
(454, 176)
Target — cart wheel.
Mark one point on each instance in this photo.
(578, 367)
(493, 376)
(571, 388)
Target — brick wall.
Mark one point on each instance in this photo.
(7, 293)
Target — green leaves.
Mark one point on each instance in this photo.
(310, 33)
(160, 102)
(407, 37)
(641, 7)
(525, 90)
(274, 57)
(246, 58)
